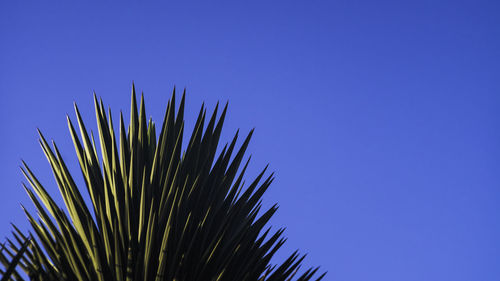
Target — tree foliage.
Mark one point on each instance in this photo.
(157, 212)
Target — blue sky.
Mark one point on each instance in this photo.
(380, 118)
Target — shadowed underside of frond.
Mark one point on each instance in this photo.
(158, 211)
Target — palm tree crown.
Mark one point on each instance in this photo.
(157, 212)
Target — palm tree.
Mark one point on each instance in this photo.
(157, 212)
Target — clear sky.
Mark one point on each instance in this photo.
(380, 118)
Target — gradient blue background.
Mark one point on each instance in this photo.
(380, 118)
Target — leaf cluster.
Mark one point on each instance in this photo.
(157, 212)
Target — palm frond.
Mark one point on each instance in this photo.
(16, 253)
